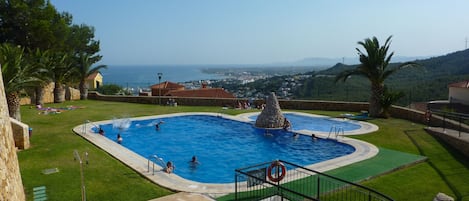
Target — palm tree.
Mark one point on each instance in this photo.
(388, 99)
(41, 60)
(85, 70)
(62, 71)
(17, 76)
(373, 66)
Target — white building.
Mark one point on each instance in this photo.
(459, 92)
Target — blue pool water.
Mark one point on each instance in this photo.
(221, 145)
(323, 124)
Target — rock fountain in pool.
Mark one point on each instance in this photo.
(271, 117)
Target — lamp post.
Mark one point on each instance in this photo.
(159, 87)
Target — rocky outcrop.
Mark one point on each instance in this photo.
(271, 116)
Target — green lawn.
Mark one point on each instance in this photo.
(53, 143)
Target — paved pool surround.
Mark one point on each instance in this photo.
(363, 150)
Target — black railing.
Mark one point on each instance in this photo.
(297, 183)
(459, 119)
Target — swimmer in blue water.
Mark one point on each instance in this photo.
(157, 125)
(193, 163)
(119, 138)
(286, 124)
(194, 160)
(295, 135)
(101, 131)
(313, 137)
(169, 167)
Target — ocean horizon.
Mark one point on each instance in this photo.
(143, 76)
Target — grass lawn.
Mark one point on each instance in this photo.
(53, 143)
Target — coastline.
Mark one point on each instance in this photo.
(143, 76)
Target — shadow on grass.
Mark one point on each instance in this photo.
(450, 164)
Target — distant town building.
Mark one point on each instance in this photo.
(94, 81)
(172, 89)
(459, 92)
(165, 87)
(202, 92)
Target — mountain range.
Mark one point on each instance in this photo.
(324, 62)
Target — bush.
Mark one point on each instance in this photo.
(110, 89)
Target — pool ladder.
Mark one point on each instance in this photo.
(92, 125)
(154, 159)
(336, 131)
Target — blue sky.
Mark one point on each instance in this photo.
(266, 31)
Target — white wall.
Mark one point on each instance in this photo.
(459, 95)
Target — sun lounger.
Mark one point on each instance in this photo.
(361, 117)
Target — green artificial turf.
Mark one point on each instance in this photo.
(53, 144)
(385, 161)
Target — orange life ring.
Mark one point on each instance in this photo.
(276, 164)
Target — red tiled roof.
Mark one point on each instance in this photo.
(203, 92)
(167, 85)
(92, 76)
(463, 84)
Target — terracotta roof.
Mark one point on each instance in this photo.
(463, 84)
(167, 85)
(92, 76)
(203, 92)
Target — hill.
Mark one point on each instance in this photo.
(425, 83)
(455, 63)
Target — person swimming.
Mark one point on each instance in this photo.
(169, 167)
(157, 125)
(119, 138)
(194, 160)
(101, 131)
(286, 124)
(313, 137)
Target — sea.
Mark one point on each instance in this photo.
(143, 76)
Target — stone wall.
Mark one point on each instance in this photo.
(11, 186)
(323, 105)
(395, 111)
(222, 102)
(399, 112)
(70, 94)
(20, 134)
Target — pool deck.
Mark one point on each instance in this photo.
(155, 173)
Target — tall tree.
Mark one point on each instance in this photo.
(61, 72)
(17, 75)
(374, 66)
(33, 24)
(80, 41)
(38, 26)
(41, 60)
(85, 69)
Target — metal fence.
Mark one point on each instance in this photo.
(281, 180)
(454, 118)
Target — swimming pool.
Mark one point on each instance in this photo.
(315, 123)
(221, 145)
